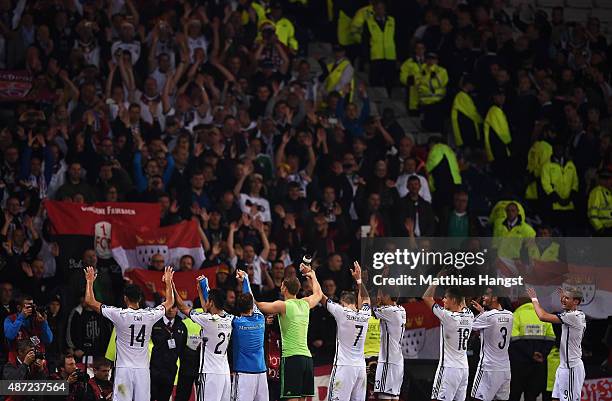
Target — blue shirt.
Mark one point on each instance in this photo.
(248, 340)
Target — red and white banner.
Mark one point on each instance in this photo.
(185, 281)
(70, 218)
(133, 247)
(597, 389)
(422, 334)
(594, 282)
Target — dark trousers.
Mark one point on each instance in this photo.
(529, 379)
(161, 386)
(382, 73)
(433, 116)
(184, 387)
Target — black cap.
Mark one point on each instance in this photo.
(499, 91)
(431, 55)
(338, 48)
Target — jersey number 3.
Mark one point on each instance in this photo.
(140, 337)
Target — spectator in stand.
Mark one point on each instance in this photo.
(100, 387)
(87, 333)
(68, 371)
(28, 322)
(25, 365)
(57, 322)
(417, 210)
(75, 184)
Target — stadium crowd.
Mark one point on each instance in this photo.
(217, 111)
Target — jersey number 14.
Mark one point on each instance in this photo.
(140, 337)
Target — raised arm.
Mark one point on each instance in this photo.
(428, 296)
(270, 308)
(90, 298)
(183, 307)
(362, 291)
(314, 299)
(542, 314)
(202, 290)
(167, 279)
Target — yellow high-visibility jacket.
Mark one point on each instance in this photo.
(464, 104)
(382, 42)
(497, 122)
(432, 84)
(411, 68)
(599, 208)
(560, 179)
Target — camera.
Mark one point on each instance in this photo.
(307, 262)
(267, 34)
(82, 377)
(39, 355)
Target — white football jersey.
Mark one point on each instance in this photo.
(392, 322)
(133, 328)
(572, 331)
(216, 332)
(351, 333)
(495, 328)
(455, 328)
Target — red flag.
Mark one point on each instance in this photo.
(185, 281)
(70, 218)
(133, 247)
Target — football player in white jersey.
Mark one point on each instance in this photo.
(214, 382)
(494, 323)
(133, 326)
(390, 367)
(451, 380)
(348, 379)
(570, 373)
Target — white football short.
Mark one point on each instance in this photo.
(568, 383)
(250, 387)
(347, 383)
(450, 384)
(132, 384)
(388, 381)
(491, 385)
(213, 387)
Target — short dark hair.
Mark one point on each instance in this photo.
(23, 345)
(244, 303)
(24, 297)
(292, 285)
(132, 292)
(217, 297)
(63, 357)
(348, 297)
(455, 294)
(101, 362)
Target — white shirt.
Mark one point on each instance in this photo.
(215, 334)
(572, 331)
(351, 333)
(262, 204)
(133, 47)
(495, 328)
(455, 328)
(257, 264)
(392, 322)
(133, 328)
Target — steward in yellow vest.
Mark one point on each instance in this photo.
(410, 72)
(262, 8)
(432, 82)
(600, 205)
(465, 119)
(530, 345)
(498, 213)
(381, 32)
(510, 234)
(560, 185)
(543, 248)
(358, 21)
(285, 31)
(432, 90)
(497, 136)
(441, 155)
(337, 75)
(539, 153)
